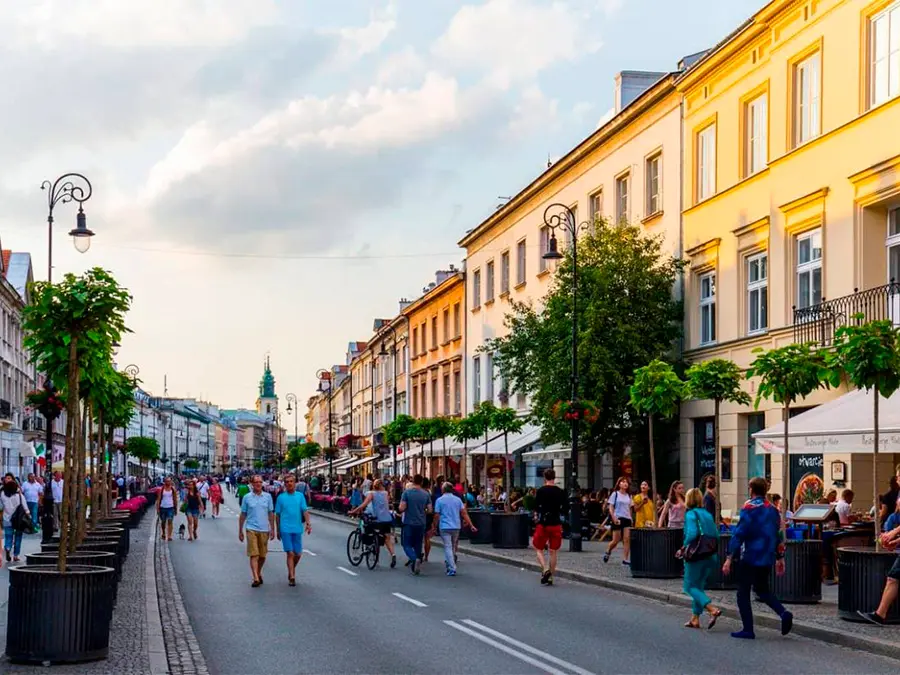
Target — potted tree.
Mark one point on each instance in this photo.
(787, 374)
(464, 430)
(508, 529)
(868, 354)
(70, 328)
(656, 392)
(442, 427)
(480, 421)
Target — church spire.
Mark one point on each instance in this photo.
(267, 383)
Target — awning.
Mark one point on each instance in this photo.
(27, 449)
(316, 467)
(556, 451)
(841, 425)
(358, 462)
(437, 450)
(496, 445)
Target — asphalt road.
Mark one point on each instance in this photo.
(491, 618)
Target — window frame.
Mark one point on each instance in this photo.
(476, 289)
(446, 316)
(706, 185)
(760, 286)
(813, 54)
(521, 261)
(595, 210)
(656, 159)
(543, 246)
(504, 272)
(623, 212)
(892, 240)
(810, 266)
(476, 380)
(750, 140)
(886, 12)
(708, 301)
(434, 332)
(489, 281)
(489, 377)
(457, 321)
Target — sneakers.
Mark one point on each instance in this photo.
(416, 567)
(787, 622)
(546, 578)
(606, 557)
(627, 563)
(393, 561)
(451, 573)
(871, 617)
(744, 635)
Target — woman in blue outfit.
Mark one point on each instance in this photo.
(697, 522)
(356, 496)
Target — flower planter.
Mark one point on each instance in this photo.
(120, 517)
(96, 545)
(716, 580)
(510, 530)
(653, 553)
(58, 618)
(481, 519)
(121, 548)
(802, 579)
(106, 531)
(94, 558)
(862, 572)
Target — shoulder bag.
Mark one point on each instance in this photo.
(21, 519)
(703, 547)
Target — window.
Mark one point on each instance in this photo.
(457, 392)
(622, 213)
(654, 193)
(806, 99)
(489, 377)
(434, 397)
(596, 205)
(545, 246)
(446, 410)
(424, 339)
(520, 262)
(415, 341)
(447, 325)
(504, 272)
(434, 332)
(706, 163)
(521, 400)
(809, 269)
(884, 55)
(401, 367)
(489, 282)
(476, 380)
(476, 289)
(457, 327)
(758, 293)
(756, 125)
(708, 308)
(893, 245)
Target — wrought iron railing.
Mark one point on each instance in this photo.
(816, 324)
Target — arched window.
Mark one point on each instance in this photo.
(268, 407)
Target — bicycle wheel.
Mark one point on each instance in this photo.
(372, 555)
(355, 550)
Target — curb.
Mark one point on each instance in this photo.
(871, 645)
(156, 646)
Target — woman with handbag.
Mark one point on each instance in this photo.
(11, 499)
(700, 553)
(620, 505)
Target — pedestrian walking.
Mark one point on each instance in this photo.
(11, 498)
(415, 503)
(203, 489)
(258, 514)
(193, 507)
(890, 539)
(33, 492)
(450, 513)
(384, 519)
(549, 506)
(56, 490)
(644, 509)
(673, 511)
(242, 490)
(356, 496)
(619, 505)
(165, 508)
(429, 521)
(291, 514)
(215, 496)
(700, 553)
(759, 539)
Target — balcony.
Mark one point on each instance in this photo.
(816, 324)
(35, 423)
(5, 410)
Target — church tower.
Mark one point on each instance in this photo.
(267, 403)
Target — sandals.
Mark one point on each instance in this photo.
(713, 617)
(292, 582)
(691, 624)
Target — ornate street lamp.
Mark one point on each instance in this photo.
(559, 216)
(324, 375)
(292, 400)
(70, 187)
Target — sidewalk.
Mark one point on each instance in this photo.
(818, 621)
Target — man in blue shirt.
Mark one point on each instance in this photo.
(291, 512)
(451, 513)
(258, 514)
(759, 541)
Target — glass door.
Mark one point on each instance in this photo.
(893, 253)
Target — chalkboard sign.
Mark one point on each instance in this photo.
(704, 448)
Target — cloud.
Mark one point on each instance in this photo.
(401, 68)
(532, 113)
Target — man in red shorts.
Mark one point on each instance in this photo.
(550, 504)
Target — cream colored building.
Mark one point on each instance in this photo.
(791, 189)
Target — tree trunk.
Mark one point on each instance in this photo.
(464, 467)
(718, 403)
(652, 470)
(71, 440)
(875, 470)
(444, 463)
(81, 461)
(785, 468)
(485, 462)
(506, 466)
(95, 468)
(431, 459)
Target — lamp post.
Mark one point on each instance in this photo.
(70, 187)
(295, 410)
(559, 216)
(323, 376)
(131, 371)
(393, 354)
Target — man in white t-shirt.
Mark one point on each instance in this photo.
(33, 492)
(56, 489)
(843, 506)
(203, 489)
(120, 482)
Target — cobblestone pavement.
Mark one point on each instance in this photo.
(182, 648)
(128, 634)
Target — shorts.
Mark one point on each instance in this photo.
(257, 543)
(429, 521)
(545, 535)
(292, 542)
(894, 572)
(623, 523)
(166, 513)
(193, 512)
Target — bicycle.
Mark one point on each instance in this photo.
(364, 542)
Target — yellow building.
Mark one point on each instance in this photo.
(791, 187)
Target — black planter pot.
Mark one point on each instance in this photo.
(802, 580)
(58, 618)
(114, 530)
(121, 545)
(105, 546)
(510, 530)
(862, 573)
(93, 558)
(716, 580)
(482, 521)
(653, 553)
(122, 518)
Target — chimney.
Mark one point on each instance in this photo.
(630, 84)
(404, 303)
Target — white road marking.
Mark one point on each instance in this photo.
(310, 553)
(506, 649)
(528, 648)
(410, 600)
(346, 571)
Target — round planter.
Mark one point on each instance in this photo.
(122, 548)
(58, 618)
(115, 530)
(510, 530)
(653, 553)
(802, 580)
(125, 518)
(862, 572)
(482, 521)
(105, 546)
(716, 580)
(94, 558)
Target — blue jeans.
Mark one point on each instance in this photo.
(696, 575)
(450, 538)
(12, 538)
(756, 577)
(33, 508)
(412, 537)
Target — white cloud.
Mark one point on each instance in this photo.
(363, 40)
(533, 112)
(401, 68)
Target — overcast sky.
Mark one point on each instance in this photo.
(269, 176)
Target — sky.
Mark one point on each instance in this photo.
(269, 176)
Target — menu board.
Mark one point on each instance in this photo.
(704, 448)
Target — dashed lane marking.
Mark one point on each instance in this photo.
(410, 600)
(346, 571)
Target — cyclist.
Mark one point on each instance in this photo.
(384, 519)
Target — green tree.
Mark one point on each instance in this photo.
(869, 355)
(425, 431)
(484, 415)
(144, 449)
(399, 432)
(442, 428)
(626, 318)
(464, 430)
(718, 380)
(506, 421)
(657, 392)
(786, 374)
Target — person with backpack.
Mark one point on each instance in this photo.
(11, 499)
(700, 553)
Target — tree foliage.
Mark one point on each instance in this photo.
(717, 380)
(298, 452)
(143, 448)
(626, 317)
